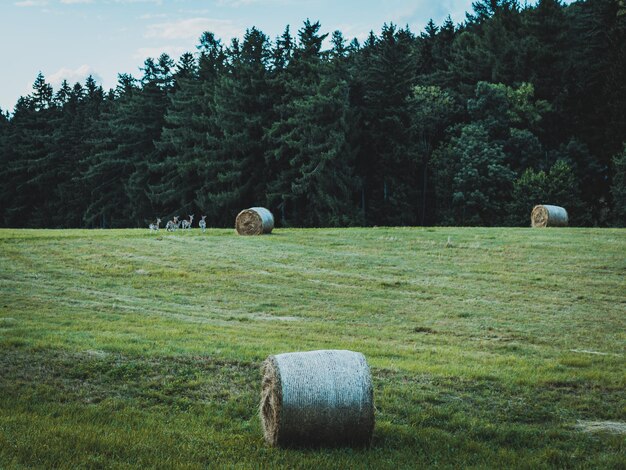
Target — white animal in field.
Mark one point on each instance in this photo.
(172, 225)
(202, 223)
(187, 223)
(155, 227)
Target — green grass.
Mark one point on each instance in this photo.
(488, 347)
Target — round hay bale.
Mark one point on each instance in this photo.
(317, 398)
(545, 215)
(254, 221)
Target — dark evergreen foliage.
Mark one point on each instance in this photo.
(618, 189)
(460, 124)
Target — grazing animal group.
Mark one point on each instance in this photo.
(155, 227)
(175, 224)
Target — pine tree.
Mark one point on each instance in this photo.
(426, 49)
(181, 173)
(279, 77)
(118, 166)
(293, 81)
(593, 111)
(488, 49)
(30, 169)
(388, 169)
(107, 166)
(312, 182)
(618, 188)
(149, 110)
(432, 111)
(6, 158)
(241, 110)
(72, 129)
(62, 96)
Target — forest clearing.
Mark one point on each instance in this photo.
(499, 347)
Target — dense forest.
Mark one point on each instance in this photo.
(468, 124)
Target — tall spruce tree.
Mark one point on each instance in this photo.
(242, 109)
(276, 165)
(78, 109)
(314, 184)
(118, 167)
(488, 48)
(109, 165)
(387, 167)
(30, 171)
(181, 173)
(618, 188)
(432, 111)
(6, 160)
(151, 103)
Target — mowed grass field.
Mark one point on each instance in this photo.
(488, 347)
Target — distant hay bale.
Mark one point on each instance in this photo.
(545, 215)
(254, 221)
(317, 398)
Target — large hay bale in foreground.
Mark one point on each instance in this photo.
(545, 215)
(317, 398)
(254, 221)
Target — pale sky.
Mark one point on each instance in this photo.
(74, 38)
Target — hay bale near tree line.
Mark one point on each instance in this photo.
(317, 398)
(545, 215)
(254, 221)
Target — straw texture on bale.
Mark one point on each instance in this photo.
(317, 398)
(548, 216)
(254, 221)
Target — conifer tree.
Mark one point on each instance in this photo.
(488, 47)
(180, 172)
(242, 109)
(6, 157)
(108, 165)
(314, 184)
(118, 166)
(30, 170)
(618, 188)
(386, 165)
(72, 130)
(148, 108)
(279, 77)
(432, 111)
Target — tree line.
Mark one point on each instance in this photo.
(468, 124)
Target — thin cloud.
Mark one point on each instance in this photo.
(173, 51)
(72, 2)
(73, 75)
(153, 16)
(238, 3)
(352, 31)
(192, 28)
(158, 2)
(31, 3)
(418, 14)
